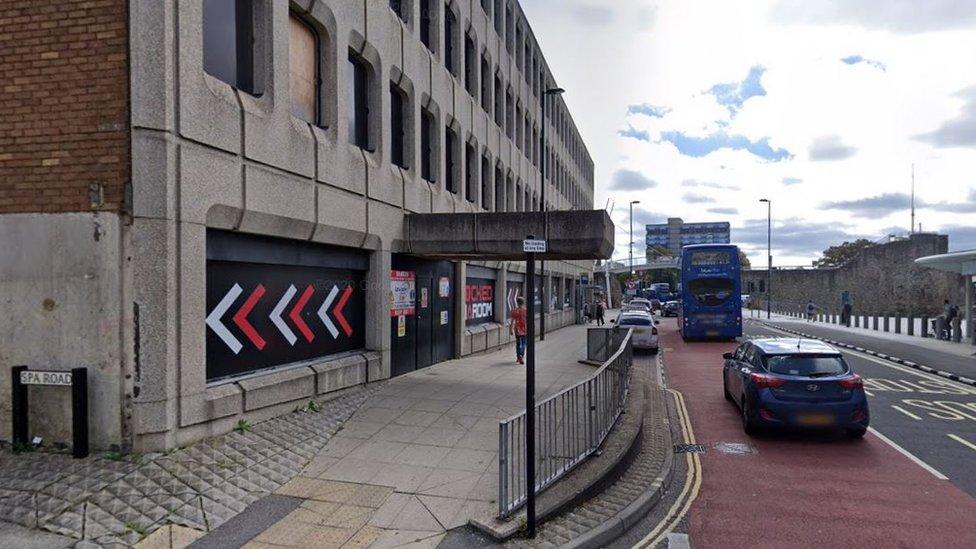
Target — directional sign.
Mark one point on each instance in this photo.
(534, 246)
(36, 377)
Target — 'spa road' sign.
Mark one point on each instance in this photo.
(534, 246)
(36, 377)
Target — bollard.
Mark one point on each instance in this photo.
(887, 323)
(875, 323)
(925, 326)
(857, 321)
(911, 325)
(957, 329)
(897, 324)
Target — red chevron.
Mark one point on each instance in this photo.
(296, 311)
(240, 317)
(337, 311)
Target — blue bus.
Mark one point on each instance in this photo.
(710, 294)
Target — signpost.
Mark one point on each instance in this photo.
(531, 247)
(21, 378)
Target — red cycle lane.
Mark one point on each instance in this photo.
(802, 490)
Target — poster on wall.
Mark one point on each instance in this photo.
(443, 318)
(401, 326)
(444, 287)
(479, 301)
(403, 296)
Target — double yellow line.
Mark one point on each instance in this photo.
(692, 481)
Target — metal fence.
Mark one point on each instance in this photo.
(570, 425)
(603, 342)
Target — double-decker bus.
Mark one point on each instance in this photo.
(710, 296)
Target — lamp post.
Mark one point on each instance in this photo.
(632, 202)
(769, 256)
(542, 206)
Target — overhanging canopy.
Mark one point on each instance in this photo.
(963, 263)
(575, 234)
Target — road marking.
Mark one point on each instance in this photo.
(909, 455)
(962, 441)
(691, 487)
(906, 412)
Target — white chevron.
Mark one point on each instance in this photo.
(213, 319)
(276, 315)
(325, 317)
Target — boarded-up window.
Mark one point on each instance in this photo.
(302, 57)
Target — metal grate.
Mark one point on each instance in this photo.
(689, 448)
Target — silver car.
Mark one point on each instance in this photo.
(645, 334)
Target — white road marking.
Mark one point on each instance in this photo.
(962, 441)
(909, 455)
(906, 412)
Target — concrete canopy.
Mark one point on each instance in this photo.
(586, 234)
(963, 263)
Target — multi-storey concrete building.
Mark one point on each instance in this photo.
(676, 233)
(203, 201)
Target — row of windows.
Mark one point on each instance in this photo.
(229, 54)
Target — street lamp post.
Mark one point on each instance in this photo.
(542, 206)
(769, 256)
(632, 202)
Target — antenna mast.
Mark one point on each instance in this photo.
(913, 199)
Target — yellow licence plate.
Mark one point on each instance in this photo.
(815, 420)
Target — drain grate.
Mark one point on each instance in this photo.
(689, 448)
(734, 448)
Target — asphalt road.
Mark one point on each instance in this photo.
(825, 490)
(922, 355)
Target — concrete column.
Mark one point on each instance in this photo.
(377, 312)
(969, 309)
(501, 295)
(460, 281)
(857, 321)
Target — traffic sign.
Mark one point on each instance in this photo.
(531, 246)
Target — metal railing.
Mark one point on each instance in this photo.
(570, 425)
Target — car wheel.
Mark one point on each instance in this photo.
(857, 432)
(725, 388)
(654, 350)
(748, 425)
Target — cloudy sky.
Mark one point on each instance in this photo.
(700, 108)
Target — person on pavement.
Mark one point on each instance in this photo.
(517, 327)
(600, 310)
(811, 310)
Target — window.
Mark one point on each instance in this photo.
(486, 6)
(518, 50)
(451, 158)
(358, 78)
(499, 189)
(427, 24)
(228, 43)
(485, 84)
(470, 66)
(499, 101)
(401, 8)
(398, 126)
(509, 115)
(485, 183)
(427, 146)
(303, 69)
(519, 199)
(471, 173)
(450, 31)
(509, 29)
(499, 18)
(712, 291)
(518, 126)
(806, 365)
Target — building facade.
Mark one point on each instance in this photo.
(676, 233)
(203, 201)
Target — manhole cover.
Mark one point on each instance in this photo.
(689, 449)
(735, 448)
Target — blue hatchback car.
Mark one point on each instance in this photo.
(790, 382)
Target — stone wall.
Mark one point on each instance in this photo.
(883, 279)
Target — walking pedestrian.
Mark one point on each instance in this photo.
(951, 312)
(811, 310)
(517, 327)
(600, 309)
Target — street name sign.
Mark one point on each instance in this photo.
(36, 377)
(530, 246)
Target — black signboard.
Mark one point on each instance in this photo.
(261, 315)
(479, 301)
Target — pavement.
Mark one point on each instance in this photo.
(804, 489)
(418, 458)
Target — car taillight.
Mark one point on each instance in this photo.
(852, 383)
(763, 381)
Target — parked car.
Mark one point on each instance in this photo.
(669, 308)
(791, 382)
(641, 303)
(645, 334)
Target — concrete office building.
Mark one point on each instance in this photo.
(203, 201)
(676, 233)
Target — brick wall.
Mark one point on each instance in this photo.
(882, 280)
(64, 104)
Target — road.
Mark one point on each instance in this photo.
(824, 490)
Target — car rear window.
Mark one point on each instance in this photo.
(806, 365)
(634, 321)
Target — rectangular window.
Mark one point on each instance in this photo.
(499, 18)
(451, 159)
(485, 85)
(471, 173)
(499, 190)
(485, 183)
(303, 69)
(509, 29)
(499, 101)
(427, 23)
(427, 136)
(358, 78)
(470, 66)
(398, 112)
(228, 43)
(450, 29)
(518, 127)
(510, 116)
(400, 8)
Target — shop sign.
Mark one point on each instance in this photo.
(479, 301)
(403, 296)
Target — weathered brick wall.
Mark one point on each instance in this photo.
(64, 106)
(883, 279)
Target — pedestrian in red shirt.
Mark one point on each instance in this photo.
(518, 327)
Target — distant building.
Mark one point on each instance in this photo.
(676, 233)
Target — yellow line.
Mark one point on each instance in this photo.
(962, 440)
(906, 412)
(691, 487)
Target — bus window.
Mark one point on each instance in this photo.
(711, 291)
